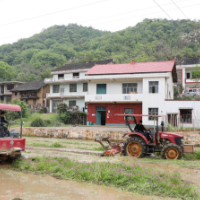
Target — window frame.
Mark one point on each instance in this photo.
(154, 113)
(70, 106)
(86, 86)
(12, 86)
(71, 89)
(61, 76)
(129, 118)
(154, 88)
(190, 75)
(190, 116)
(76, 75)
(56, 90)
(98, 84)
(128, 88)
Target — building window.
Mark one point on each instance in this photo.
(56, 88)
(129, 88)
(73, 88)
(60, 76)
(101, 88)
(186, 116)
(75, 75)
(188, 75)
(10, 87)
(85, 87)
(34, 102)
(71, 104)
(15, 93)
(153, 86)
(86, 105)
(153, 111)
(128, 111)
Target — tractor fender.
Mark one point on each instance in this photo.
(138, 134)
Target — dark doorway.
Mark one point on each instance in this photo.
(101, 116)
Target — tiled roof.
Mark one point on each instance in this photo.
(36, 85)
(77, 66)
(188, 61)
(133, 67)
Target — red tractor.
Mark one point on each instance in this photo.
(138, 145)
(11, 142)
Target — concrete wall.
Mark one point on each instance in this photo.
(174, 106)
(89, 133)
(114, 87)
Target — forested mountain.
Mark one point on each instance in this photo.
(153, 39)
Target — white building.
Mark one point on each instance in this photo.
(184, 113)
(184, 71)
(139, 88)
(69, 85)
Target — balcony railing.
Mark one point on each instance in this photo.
(189, 80)
(69, 94)
(5, 92)
(29, 97)
(114, 97)
(61, 79)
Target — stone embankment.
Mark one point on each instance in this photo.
(89, 133)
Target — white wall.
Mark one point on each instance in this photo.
(113, 87)
(175, 106)
(153, 100)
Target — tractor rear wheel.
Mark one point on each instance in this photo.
(171, 152)
(135, 146)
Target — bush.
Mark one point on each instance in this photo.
(62, 108)
(42, 110)
(38, 122)
(72, 117)
(12, 115)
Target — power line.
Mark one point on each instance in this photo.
(52, 13)
(128, 12)
(142, 15)
(113, 20)
(161, 8)
(179, 9)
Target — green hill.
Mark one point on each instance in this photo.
(151, 40)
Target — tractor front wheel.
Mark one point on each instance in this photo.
(171, 152)
(135, 146)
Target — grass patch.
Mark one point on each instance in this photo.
(50, 119)
(132, 178)
(36, 144)
(192, 156)
(98, 149)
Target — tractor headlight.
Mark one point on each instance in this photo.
(182, 140)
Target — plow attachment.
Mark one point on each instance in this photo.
(112, 148)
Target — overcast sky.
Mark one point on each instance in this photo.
(23, 18)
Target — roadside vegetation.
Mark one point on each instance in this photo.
(132, 178)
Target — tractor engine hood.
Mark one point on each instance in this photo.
(169, 135)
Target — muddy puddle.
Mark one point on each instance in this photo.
(29, 186)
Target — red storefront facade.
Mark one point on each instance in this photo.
(105, 113)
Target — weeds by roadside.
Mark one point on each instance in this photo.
(132, 178)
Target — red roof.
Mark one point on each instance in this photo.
(10, 107)
(133, 67)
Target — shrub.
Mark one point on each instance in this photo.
(12, 115)
(38, 122)
(62, 108)
(42, 110)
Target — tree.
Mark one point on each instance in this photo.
(196, 75)
(6, 73)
